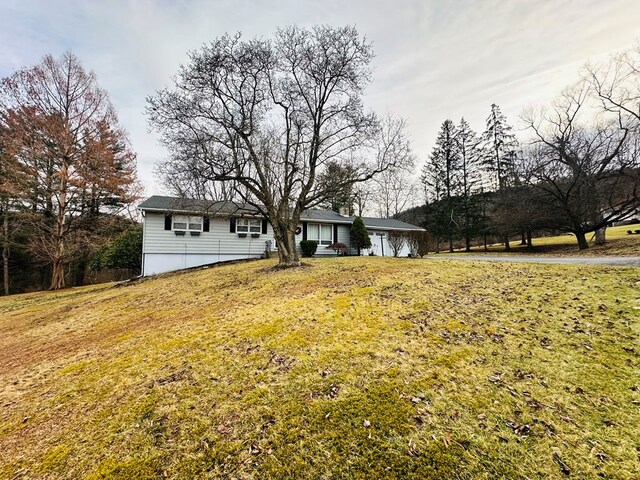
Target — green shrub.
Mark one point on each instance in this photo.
(359, 235)
(124, 251)
(308, 247)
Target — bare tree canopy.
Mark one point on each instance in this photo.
(586, 171)
(394, 189)
(617, 84)
(267, 117)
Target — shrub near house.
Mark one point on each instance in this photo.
(308, 248)
(359, 235)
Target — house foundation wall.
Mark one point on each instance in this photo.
(166, 262)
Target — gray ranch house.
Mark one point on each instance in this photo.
(181, 233)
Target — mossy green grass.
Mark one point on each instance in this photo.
(351, 368)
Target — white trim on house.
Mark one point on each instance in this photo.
(187, 223)
(321, 233)
(248, 225)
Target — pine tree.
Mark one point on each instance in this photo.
(500, 147)
(500, 157)
(441, 180)
(359, 235)
(469, 150)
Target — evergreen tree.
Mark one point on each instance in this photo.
(335, 179)
(359, 235)
(125, 251)
(500, 147)
(441, 180)
(469, 150)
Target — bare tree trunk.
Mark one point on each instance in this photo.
(57, 264)
(5, 251)
(582, 240)
(57, 274)
(287, 251)
(467, 236)
(507, 245)
(523, 237)
(529, 240)
(601, 236)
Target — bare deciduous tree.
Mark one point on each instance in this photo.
(270, 116)
(397, 240)
(587, 173)
(617, 84)
(393, 190)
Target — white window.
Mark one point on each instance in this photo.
(248, 225)
(189, 223)
(323, 234)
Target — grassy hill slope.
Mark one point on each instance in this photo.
(348, 368)
(619, 243)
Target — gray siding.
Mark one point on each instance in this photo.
(163, 250)
(344, 236)
(218, 240)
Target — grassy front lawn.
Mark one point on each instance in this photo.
(348, 368)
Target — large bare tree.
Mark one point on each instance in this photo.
(395, 189)
(617, 83)
(586, 170)
(269, 116)
(61, 127)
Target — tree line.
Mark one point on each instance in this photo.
(280, 124)
(578, 171)
(67, 173)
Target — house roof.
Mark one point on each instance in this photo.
(160, 203)
(330, 216)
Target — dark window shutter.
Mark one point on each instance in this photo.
(264, 225)
(232, 225)
(335, 233)
(304, 230)
(205, 224)
(167, 221)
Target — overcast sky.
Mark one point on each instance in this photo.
(435, 59)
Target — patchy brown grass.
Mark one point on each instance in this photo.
(348, 368)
